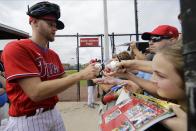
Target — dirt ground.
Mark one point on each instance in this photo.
(77, 116)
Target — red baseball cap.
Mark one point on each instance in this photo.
(162, 30)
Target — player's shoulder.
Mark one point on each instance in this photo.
(17, 43)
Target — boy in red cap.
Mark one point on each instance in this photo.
(161, 36)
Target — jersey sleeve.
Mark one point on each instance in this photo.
(18, 62)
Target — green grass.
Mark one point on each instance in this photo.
(82, 82)
(71, 71)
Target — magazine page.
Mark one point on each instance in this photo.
(124, 95)
(135, 114)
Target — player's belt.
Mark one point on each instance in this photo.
(39, 111)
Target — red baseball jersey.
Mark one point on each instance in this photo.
(22, 59)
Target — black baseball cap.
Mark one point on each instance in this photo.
(47, 11)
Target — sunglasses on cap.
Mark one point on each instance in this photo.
(159, 38)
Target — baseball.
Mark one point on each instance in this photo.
(98, 65)
(112, 65)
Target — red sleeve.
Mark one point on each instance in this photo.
(18, 62)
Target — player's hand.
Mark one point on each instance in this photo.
(89, 72)
(179, 122)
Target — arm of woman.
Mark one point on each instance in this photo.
(130, 85)
(141, 65)
(177, 123)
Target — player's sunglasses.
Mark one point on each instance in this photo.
(159, 38)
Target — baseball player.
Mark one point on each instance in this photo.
(35, 75)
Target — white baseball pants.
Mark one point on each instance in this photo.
(47, 121)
